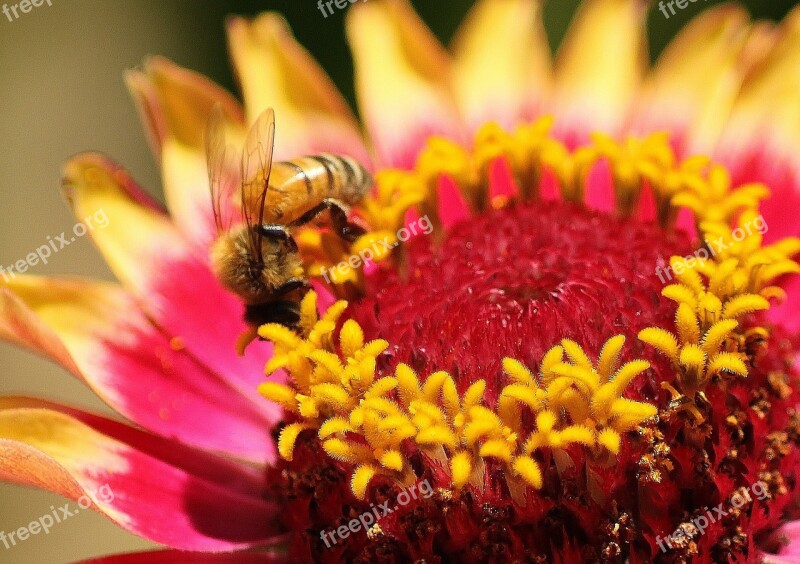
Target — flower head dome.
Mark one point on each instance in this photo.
(564, 330)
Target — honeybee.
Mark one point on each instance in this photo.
(255, 255)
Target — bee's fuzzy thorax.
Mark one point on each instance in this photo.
(231, 260)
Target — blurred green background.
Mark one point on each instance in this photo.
(61, 92)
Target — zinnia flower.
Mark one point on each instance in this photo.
(573, 339)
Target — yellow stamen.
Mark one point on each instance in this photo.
(364, 419)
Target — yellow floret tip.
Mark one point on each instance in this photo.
(369, 421)
(288, 438)
(529, 470)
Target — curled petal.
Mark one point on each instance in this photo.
(177, 102)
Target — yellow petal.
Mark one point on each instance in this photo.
(767, 103)
(360, 480)
(698, 75)
(460, 469)
(288, 439)
(276, 71)
(401, 74)
(729, 363)
(662, 340)
(744, 304)
(496, 448)
(610, 439)
(280, 394)
(93, 185)
(393, 460)
(351, 338)
(716, 335)
(600, 64)
(609, 356)
(502, 66)
(687, 324)
(529, 470)
(517, 371)
(177, 102)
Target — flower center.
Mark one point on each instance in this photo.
(513, 282)
(537, 368)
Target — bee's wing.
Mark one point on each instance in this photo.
(256, 168)
(223, 173)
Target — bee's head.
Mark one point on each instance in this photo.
(277, 259)
(254, 276)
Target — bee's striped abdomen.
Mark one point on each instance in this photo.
(301, 183)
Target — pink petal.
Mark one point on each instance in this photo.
(451, 206)
(172, 282)
(97, 331)
(178, 557)
(600, 188)
(156, 489)
(501, 180)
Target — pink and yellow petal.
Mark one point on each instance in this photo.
(502, 68)
(766, 109)
(149, 486)
(171, 280)
(696, 79)
(98, 333)
(402, 80)
(599, 67)
(275, 71)
(175, 105)
(762, 139)
(177, 102)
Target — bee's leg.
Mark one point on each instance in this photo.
(283, 312)
(278, 233)
(338, 211)
(290, 286)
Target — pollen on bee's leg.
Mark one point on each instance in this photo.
(244, 340)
